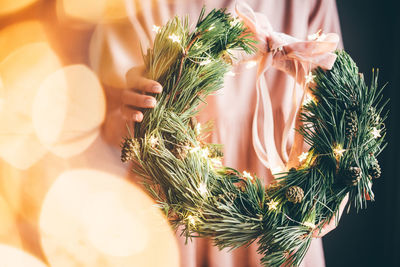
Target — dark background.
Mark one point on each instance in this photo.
(370, 31)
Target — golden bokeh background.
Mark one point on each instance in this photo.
(65, 197)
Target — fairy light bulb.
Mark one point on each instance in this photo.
(272, 205)
(338, 151)
(247, 175)
(156, 28)
(303, 156)
(175, 38)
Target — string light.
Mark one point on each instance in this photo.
(309, 225)
(272, 205)
(338, 151)
(376, 133)
(211, 27)
(153, 141)
(175, 38)
(308, 100)
(191, 220)
(247, 175)
(156, 28)
(303, 156)
(309, 77)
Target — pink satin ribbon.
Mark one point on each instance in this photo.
(293, 56)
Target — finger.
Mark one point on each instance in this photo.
(135, 80)
(131, 114)
(134, 99)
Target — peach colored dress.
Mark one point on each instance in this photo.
(232, 108)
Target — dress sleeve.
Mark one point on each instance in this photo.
(324, 15)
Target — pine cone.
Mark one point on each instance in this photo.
(295, 194)
(180, 151)
(351, 124)
(353, 176)
(375, 170)
(129, 146)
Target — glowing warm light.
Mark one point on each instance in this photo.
(191, 220)
(93, 11)
(22, 72)
(308, 100)
(247, 175)
(153, 141)
(156, 28)
(338, 151)
(309, 78)
(211, 27)
(251, 64)
(93, 218)
(13, 257)
(272, 205)
(68, 110)
(376, 133)
(16, 35)
(303, 156)
(175, 38)
(203, 189)
(9, 232)
(309, 225)
(10, 6)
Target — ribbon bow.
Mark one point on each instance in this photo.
(293, 56)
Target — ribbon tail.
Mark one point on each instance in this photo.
(268, 156)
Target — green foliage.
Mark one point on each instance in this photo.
(208, 200)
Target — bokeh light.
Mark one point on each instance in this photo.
(93, 218)
(13, 257)
(68, 110)
(19, 34)
(8, 228)
(92, 11)
(10, 6)
(21, 73)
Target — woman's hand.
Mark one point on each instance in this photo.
(332, 224)
(136, 96)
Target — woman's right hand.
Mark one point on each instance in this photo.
(136, 96)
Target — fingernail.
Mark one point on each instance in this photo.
(137, 117)
(150, 102)
(156, 88)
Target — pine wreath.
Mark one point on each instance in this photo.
(343, 126)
